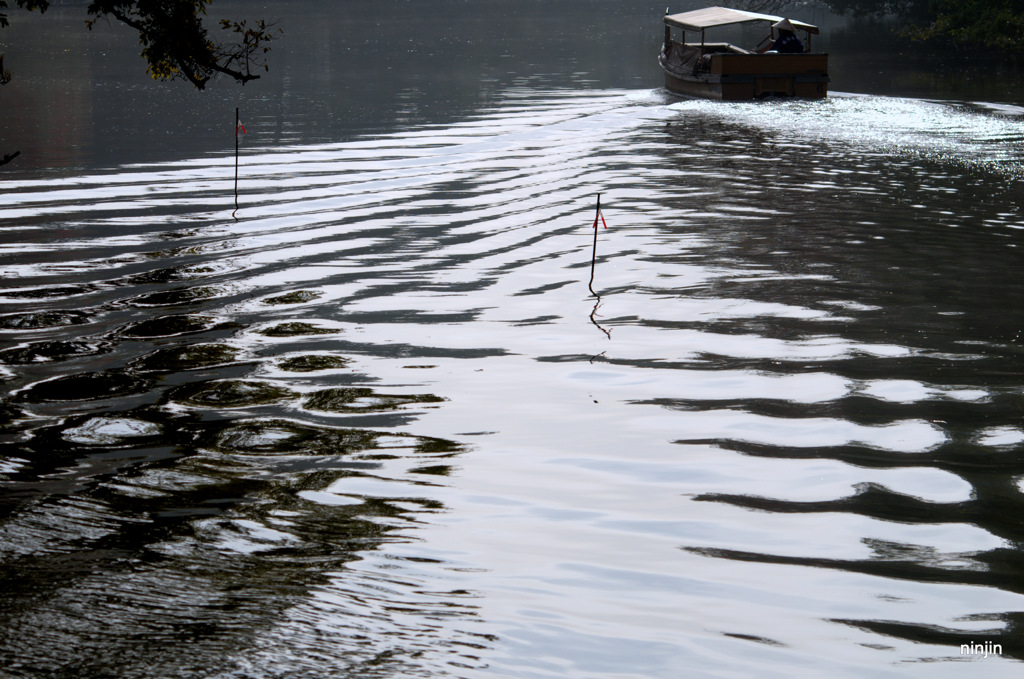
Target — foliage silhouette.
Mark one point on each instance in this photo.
(176, 43)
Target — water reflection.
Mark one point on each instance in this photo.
(371, 429)
(161, 541)
(594, 316)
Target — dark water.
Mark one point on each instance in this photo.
(378, 427)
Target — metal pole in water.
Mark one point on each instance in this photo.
(238, 122)
(593, 257)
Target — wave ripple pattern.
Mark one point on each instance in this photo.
(378, 426)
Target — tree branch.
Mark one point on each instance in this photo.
(176, 43)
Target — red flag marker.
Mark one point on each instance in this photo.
(599, 215)
(241, 127)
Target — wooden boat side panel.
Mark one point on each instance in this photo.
(733, 75)
(768, 64)
(693, 87)
(752, 89)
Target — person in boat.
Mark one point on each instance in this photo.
(787, 42)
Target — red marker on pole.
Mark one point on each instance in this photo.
(599, 214)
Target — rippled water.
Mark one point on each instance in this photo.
(377, 425)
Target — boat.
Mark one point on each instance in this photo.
(720, 70)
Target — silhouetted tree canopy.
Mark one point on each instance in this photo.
(175, 40)
(763, 6)
(994, 24)
(901, 8)
(997, 24)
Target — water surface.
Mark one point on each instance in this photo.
(378, 425)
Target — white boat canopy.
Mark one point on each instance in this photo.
(709, 17)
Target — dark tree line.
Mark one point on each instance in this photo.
(990, 24)
(986, 24)
(995, 24)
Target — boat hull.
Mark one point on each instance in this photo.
(731, 76)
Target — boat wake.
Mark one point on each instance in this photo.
(974, 135)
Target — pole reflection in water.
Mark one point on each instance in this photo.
(358, 433)
(594, 316)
